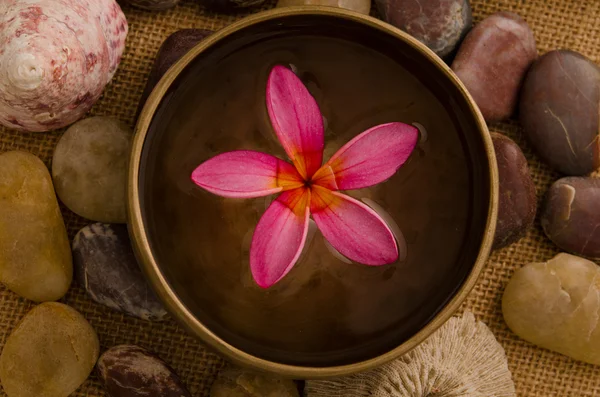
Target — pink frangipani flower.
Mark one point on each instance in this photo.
(307, 187)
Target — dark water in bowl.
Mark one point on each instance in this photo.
(325, 311)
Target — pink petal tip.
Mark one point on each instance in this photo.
(352, 228)
(296, 119)
(370, 158)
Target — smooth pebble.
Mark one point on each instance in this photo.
(559, 111)
(89, 168)
(517, 200)
(492, 62)
(50, 353)
(35, 256)
(131, 371)
(439, 24)
(555, 305)
(172, 49)
(237, 382)
(571, 215)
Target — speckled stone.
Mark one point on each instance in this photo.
(131, 371)
(106, 266)
(35, 257)
(89, 169)
(238, 382)
(439, 24)
(50, 353)
(555, 305)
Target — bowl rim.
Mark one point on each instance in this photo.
(169, 297)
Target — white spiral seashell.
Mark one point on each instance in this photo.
(56, 57)
(461, 359)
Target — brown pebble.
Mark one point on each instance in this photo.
(131, 371)
(172, 49)
(559, 111)
(439, 24)
(492, 62)
(517, 201)
(571, 215)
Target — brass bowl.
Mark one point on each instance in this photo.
(326, 318)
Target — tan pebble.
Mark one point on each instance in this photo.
(89, 169)
(237, 382)
(555, 305)
(50, 353)
(35, 255)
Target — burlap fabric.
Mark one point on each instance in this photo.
(573, 24)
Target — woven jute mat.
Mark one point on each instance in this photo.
(573, 24)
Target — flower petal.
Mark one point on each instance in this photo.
(352, 228)
(369, 158)
(296, 119)
(246, 174)
(279, 237)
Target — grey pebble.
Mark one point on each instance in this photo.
(106, 266)
(559, 111)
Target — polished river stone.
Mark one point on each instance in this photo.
(35, 256)
(50, 353)
(131, 371)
